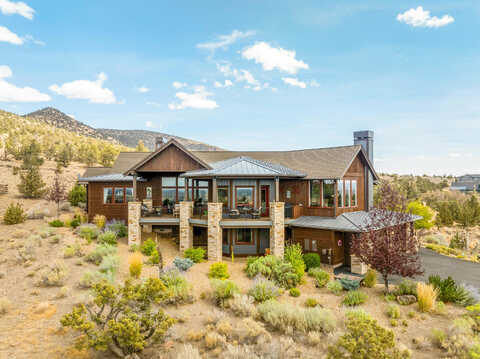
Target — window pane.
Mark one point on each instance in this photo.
(118, 195)
(244, 196)
(314, 245)
(354, 193)
(107, 195)
(223, 196)
(340, 193)
(181, 182)
(225, 237)
(189, 181)
(315, 193)
(202, 183)
(129, 194)
(181, 194)
(328, 193)
(201, 195)
(169, 181)
(168, 195)
(148, 192)
(244, 236)
(347, 193)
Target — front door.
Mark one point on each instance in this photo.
(265, 200)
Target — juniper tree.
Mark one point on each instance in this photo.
(31, 184)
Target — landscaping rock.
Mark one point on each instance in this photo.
(406, 299)
(40, 211)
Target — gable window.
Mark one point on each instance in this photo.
(119, 195)
(107, 195)
(354, 193)
(328, 193)
(244, 236)
(315, 199)
(340, 193)
(347, 193)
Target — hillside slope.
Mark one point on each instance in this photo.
(129, 138)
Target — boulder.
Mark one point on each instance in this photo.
(39, 211)
(406, 299)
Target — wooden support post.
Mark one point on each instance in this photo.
(214, 190)
(277, 189)
(135, 198)
(186, 196)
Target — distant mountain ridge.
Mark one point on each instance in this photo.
(129, 138)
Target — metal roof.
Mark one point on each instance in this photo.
(112, 177)
(245, 166)
(245, 224)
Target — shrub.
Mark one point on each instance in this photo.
(285, 317)
(321, 277)
(364, 339)
(122, 317)
(134, 248)
(438, 337)
(349, 284)
(77, 194)
(263, 289)
(74, 223)
(118, 227)
(223, 290)
(450, 292)
(178, 290)
(88, 232)
(458, 242)
(311, 260)
(195, 254)
(148, 247)
(108, 237)
(109, 266)
(74, 250)
(14, 214)
(370, 279)
(218, 270)
(53, 276)
(294, 292)
(393, 311)
(474, 313)
(355, 297)
(154, 258)
(242, 305)
(99, 252)
(90, 278)
(335, 287)
(273, 268)
(99, 220)
(188, 351)
(311, 302)
(135, 264)
(293, 255)
(406, 287)
(183, 264)
(427, 295)
(56, 223)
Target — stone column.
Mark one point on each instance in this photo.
(186, 230)
(134, 232)
(357, 266)
(214, 231)
(277, 231)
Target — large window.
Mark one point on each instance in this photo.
(107, 195)
(354, 193)
(328, 193)
(169, 190)
(244, 196)
(222, 193)
(129, 194)
(315, 199)
(340, 193)
(119, 195)
(200, 191)
(244, 236)
(347, 193)
(148, 192)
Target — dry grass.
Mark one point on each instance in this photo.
(427, 297)
(135, 264)
(5, 305)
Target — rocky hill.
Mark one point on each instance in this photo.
(129, 138)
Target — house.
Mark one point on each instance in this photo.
(248, 202)
(466, 183)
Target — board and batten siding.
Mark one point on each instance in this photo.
(325, 240)
(111, 210)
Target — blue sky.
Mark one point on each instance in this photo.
(258, 74)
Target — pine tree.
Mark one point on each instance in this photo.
(31, 183)
(64, 156)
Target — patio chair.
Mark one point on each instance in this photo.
(234, 213)
(176, 210)
(256, 213)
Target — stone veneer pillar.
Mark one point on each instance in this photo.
(186, 230)
(214, 231)
(277, 231)
(134, 232)
(357, 266)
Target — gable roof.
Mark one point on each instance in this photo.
(243, 166)
(171, 142)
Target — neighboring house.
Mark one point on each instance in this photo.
(466, 183)
(248, 202)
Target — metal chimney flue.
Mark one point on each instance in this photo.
(365, 139)
(159, 141)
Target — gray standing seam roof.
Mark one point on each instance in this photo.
(111, 177)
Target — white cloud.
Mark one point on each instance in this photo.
(30, 38)
(179, 85)
(238, 75)
(314, 83)
(156, 104)
(274, 58)
(198, 99)
(149, 124)
(227, 83)
(12, 93)
(223, 41)
(294, 82)
(142, 89)
(7, 36)
(421, 18)
(93, 91)
(10, 8)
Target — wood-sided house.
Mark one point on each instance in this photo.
(247, 202)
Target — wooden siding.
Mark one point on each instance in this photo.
(356, 172)
(325, 240)
(171, 159)
(110, 210)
